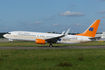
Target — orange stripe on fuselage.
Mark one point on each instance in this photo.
(91, 31)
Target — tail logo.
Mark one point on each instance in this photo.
(91, 29)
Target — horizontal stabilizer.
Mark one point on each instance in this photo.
(95, 38)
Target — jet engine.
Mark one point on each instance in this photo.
(40, 41)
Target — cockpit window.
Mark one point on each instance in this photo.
(8, 33)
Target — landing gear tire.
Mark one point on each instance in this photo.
(50, 45)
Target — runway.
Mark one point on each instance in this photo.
(62, 47)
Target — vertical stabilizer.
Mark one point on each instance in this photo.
(91, 31)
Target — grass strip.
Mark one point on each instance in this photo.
(52, 59)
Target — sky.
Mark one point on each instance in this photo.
(51, 15)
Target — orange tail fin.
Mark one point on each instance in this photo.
(91, 31)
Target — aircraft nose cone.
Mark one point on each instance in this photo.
(4, 35)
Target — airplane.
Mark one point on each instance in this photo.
(64, 38)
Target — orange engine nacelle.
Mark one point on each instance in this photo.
(40, 41)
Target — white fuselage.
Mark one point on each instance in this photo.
(32, 36)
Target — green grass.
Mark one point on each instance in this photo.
(52, 59)
(32, 44)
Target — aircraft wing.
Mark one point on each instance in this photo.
(55, 39)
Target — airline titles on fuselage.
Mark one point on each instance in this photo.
(28, 34)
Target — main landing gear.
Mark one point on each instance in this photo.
(12, 42)
(50, 45)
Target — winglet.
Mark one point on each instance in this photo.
(63, 32)
(91, 31)
(67, 31)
